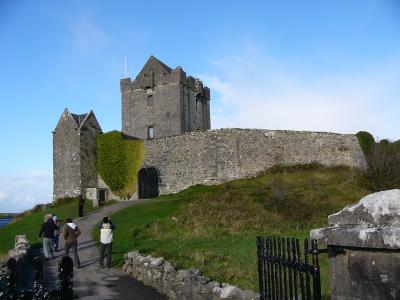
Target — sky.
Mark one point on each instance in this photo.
(300, 65)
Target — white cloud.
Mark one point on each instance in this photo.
(24, 190)
(88, 35)
(252, 91)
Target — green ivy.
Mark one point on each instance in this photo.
(118, 162)
(366, 141)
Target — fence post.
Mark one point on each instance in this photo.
(364, 244)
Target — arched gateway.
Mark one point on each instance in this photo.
(148, 183)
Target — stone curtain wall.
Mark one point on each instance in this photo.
(210, 157)
(181, 284)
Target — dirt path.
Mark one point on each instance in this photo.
(91, 282)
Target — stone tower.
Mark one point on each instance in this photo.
(74, 154)
(163, 102)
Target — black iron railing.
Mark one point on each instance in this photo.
(285, 270)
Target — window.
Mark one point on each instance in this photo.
(150, 100)
(150, 132)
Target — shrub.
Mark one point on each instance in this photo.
(279, 191)
(118, 160)
(384, 166)
(62, 201)
(366, 141)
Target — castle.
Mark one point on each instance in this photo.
(170, 111)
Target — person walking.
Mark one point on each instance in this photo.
(47, 230)
(71, 232)
(81, 205)
(106, 240)
(56, 233)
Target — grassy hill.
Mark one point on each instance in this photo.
(213, 228)
(29, 223)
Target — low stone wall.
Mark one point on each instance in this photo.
(20, 253)
(181, 284)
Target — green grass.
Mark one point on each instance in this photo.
(31, 222)
(213, 228)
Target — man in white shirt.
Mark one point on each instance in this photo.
(106, 239)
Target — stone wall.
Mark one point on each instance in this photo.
(20, 253)
(181, 284)
(162, 113)
(88, 132)
(210, 157)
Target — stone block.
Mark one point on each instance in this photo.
(369, 234)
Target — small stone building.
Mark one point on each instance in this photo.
(74, 154)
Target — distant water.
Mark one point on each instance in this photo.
(4, 221)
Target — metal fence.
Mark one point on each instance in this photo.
(285, 271)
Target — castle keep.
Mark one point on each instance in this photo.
(163, 102)
(170, 111)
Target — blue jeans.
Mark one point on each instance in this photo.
(56, 241)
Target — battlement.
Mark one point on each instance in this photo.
(156, 73)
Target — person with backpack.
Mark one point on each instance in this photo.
(106, 239)
(71, 233)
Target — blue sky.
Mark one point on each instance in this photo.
(301, 65)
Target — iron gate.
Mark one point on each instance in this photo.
(284, 270)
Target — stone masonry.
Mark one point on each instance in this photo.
(210, 157)
(180, 284)
(74, 154)
(364, 239)
(165, 100)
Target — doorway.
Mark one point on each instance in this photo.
(148, 183)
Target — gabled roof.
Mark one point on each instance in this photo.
(154, 65)
(79, 118)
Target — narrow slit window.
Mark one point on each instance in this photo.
(150, 132)
(150, 100)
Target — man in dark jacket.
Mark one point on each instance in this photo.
(47, 230)
(71, 232)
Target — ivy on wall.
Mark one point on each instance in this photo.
(118, 161)
(366, 141)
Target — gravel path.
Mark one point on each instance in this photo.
(91, 282)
